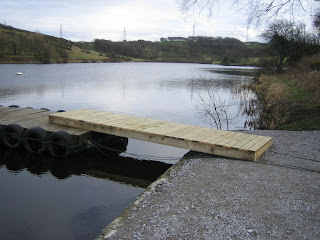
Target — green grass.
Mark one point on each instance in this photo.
(295, 91)
(302, 125)
(254, 44)
(254, 61)
(78, 54)
(304, 118)
(302, 109)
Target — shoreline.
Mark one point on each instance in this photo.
(133, 61)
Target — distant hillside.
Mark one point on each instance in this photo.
(198, 49)
(20, 46)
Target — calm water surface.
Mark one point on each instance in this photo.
(45, 206)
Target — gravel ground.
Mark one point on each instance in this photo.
(205, 197)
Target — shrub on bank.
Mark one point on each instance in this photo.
(290, 100)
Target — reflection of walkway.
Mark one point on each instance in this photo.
(108, 165)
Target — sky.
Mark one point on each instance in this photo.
(86, 20)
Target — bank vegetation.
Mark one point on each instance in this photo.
(288, 85)
(288, 100)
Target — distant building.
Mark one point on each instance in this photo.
(175, 39)
(192, 39)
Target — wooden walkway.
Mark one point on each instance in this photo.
(219, 142)
(29, 118)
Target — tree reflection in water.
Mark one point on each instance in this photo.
(248, 105)
(238, 108)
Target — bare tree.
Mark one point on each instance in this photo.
(316, 21)
(215, 108)
(291, 41)
(256, 10)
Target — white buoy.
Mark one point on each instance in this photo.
(19, 73)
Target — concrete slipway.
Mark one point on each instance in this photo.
(205, 197)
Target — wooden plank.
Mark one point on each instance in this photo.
(236, 140)
(258, 145)
(229, 138)
(262, 148)
(220, 142)
(160, 139)
(238, 145)
(106, 118)
(33, 118)
(222, 137)
(195, 133)
(144, 127)
(29, 118)
(146, 124)
(184, 131)
(9, 109)
(115, 122)
(26, 117)
(213, 137)
(81, 113)
(169, 129)
(161, 128)
(254, 141)
(18, 112)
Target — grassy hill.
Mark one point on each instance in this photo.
(20, 46)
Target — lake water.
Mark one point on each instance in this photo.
(49, 203)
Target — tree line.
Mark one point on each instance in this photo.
(197, 49)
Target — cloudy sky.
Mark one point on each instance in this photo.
(85, 20)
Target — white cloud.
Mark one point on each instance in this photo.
(143, 19)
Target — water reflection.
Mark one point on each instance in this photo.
(225, 109)
(249, 106)
(95, 164)
(243, 72)
(47, 198)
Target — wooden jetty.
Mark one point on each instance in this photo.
(31, 129)
(219, 142)
(28, 118)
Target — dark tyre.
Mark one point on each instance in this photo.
(60, 144)
(36, 163)
(35, 140)
(1, 134)
(14, 160)
(12, 136)
(14, 106)
(45, 109)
